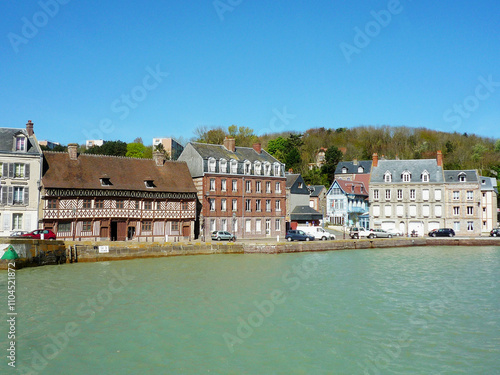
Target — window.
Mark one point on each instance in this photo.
(146, 226)
(400, 210)
(375, 194)
(277, 205)
(400, 194)
(248, 167)
(267, 169)
(224, 224)
(223, 165)
(87, 203)
(64, 226)
(258, 187)
(388, 194)
(277, 225)
(258, 168)
(212, 184)
(234, 166)
(235, 185)
(425, 194)
(360, 169)
(184, 206)
(52, 204)
(149, 184)
(148, 205)
(456, 226)
(412, 194)
(268, 205)
(336, 191)
(462, 177)
(268, 187)
(211, 203)
(344, 170)
(413, 210)
(17, 221)
(425, 176)
(258, 225)
(388, 211)
(223, 185)
(19, 170)
(406, 176)
(248, 185)
(258, 207)
(235, 205)
(438, 211)
(248, 225)
(425, 210)
(174, 226)
(87, 226)
(276, 169)
(470, 195)
(301, 185)
(387, 176)
(20, 144)
(456, 210)
(470, 210)
(223, 204)
(106, 182)
(470, 226)
(211, 164)
(18, 195)
(248, 205)
(277, 187)
(376, 211)
(437, 194)
(456, 195)
(212, 225)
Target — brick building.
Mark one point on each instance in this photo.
(240, 189)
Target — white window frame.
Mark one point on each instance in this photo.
(212, 165)
(223, 166)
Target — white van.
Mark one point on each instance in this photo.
(318, 232)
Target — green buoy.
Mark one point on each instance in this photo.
(10, 253)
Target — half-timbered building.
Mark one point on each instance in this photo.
(96, 197)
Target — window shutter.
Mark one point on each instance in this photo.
(26, 196)
(5, 170)
(4, 195)
(10, 199)
(11, 170)
(26, 170)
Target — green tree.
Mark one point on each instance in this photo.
(332, 157)
(112, 148)
(135, 150)
(244, 137)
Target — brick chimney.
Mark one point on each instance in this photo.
(257, 147)
(354, 161)
(230, 144)
(29, 128)
(439, 158)
(375, 160)
(159, 158)
(73, 151)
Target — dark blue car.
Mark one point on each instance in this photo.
(298, 235)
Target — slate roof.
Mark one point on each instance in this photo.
(352, 168)
(316, 190)
(452, 176)
(124, 173)
(488, 184)
(290, 179)
(415, 167)
(305, 213)
(7, 136)
(241, 154)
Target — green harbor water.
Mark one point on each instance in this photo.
(424, 310)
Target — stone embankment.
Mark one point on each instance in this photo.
(36, 252)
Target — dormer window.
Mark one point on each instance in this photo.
(234, 166)
(149, 184)
(20, 143)
(361, 169)
(267, 169)
(406, 176)
(105, 181)
(223, 165)
(258, 168)
(211, 165)
(425, 176)
(344, 169)
(387, 177)
(248, 167)
(462, 177)
(276, 169)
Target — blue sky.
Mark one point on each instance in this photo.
(121, 70)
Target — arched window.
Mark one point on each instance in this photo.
(257, 168)
(267, 169)
(406, 176)
(248, 167)
(425, 176)
(344, 169)
(361, 169)
(223, 166)
(387, 176)
(276, 169)
(234, 166)
(462, 177)
(211, 164)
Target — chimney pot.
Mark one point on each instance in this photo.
(73, 151)
(375, 160)
(257, 147)
(439, 158)
(230, 144)
(29, 128)
(355, 161)
(159, 158)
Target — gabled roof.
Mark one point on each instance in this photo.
(241, 154)
(415, 167)
(352, 187)
(290, 179)
(453, 176)
(364, 178)
(316, 190)
(124, 173)
(7, 136)
(352, 167)
(305, 213)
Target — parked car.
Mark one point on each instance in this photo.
(298, 235)
(318, 232)
(18, 233)
(380, 233)
(442, 232)
(495, 232)
(361, 232)
(220, 235)
(395, 232)
(47, 234)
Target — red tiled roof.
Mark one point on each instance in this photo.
(364, 178)
(124, 173)
(352, 187)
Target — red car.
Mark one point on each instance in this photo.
(37, 234)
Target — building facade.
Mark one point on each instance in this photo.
(489, 200)
(298, 206)
(240, 189)
(317, 198)
(20, 168)
(346, 202)
(348, 170)
(96, 197)
(172, 147)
